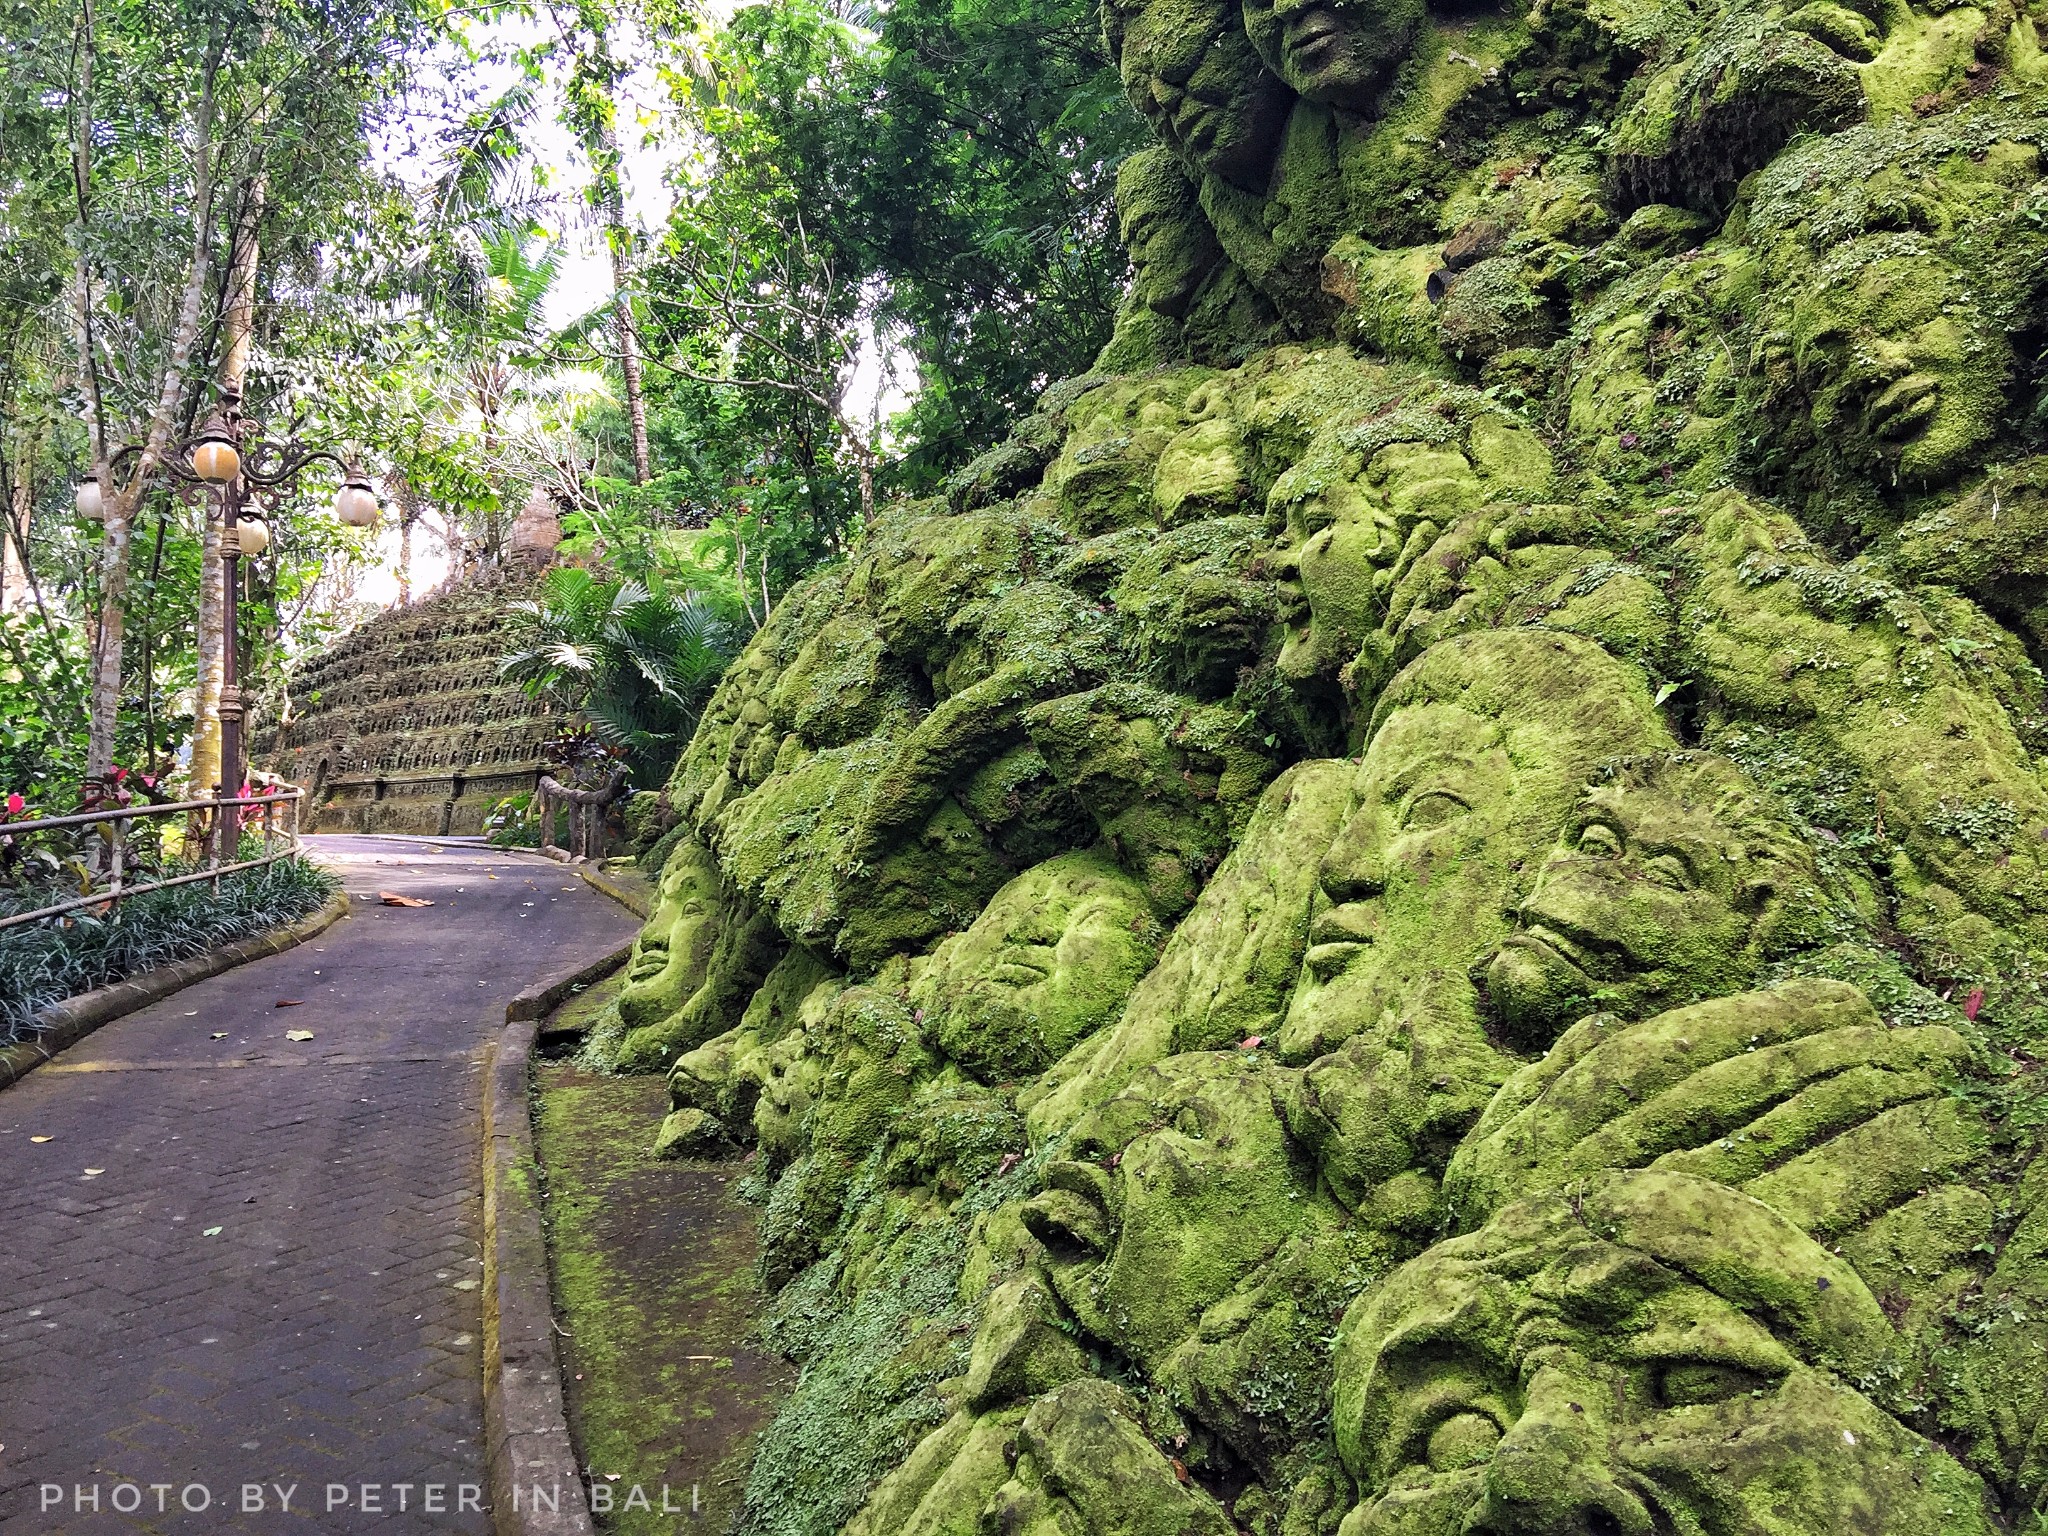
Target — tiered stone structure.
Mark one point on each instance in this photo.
(406, 724)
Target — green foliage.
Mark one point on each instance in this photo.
(46, 962)
(638, 663)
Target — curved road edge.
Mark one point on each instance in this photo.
(536, 1489)
(65, 1024)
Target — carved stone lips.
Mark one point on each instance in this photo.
(1071, 1217)
(1549, 946)
(1906, 407)
(1315, 33)
(1195, 123)
(1338, 937)
(1313, 27)
(1327, 960)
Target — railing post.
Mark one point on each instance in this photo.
(117, 859)
(216, 844)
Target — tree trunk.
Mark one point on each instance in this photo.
(620, 239)
(21, 496)
(122, 505)
(629, 365)
(237, 334)
(405, 558)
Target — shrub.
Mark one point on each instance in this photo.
(44, 963)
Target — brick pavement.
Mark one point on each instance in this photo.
(330, 1332)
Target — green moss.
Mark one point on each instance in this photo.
(1168, 782)
(1549, 752)
(1695, 1346)
(1085, 1464)
(1048, 962)
(1232, 963)
(637, 1305)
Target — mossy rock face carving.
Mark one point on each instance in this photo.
(1423, 906)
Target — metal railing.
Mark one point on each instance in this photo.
(221, 832)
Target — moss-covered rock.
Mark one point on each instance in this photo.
(1652, 1341)
(1483, 773)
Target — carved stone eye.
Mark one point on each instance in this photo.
(1462, 1440)
(1599, 842)
(1690, 1383)
(1433, 808)
(1668, 869)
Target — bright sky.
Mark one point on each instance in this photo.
(409, 150)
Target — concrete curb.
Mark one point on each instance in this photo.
(526, 1428)
(635, 895)
(65, 1024)
(541, 999)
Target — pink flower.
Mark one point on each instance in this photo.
(15, 804)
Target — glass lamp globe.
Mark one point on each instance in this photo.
(214, 459)
(356, 505)
(91, 504)
(253, 535)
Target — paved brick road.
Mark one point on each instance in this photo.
(330, 1331)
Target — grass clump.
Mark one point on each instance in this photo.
(44, 963)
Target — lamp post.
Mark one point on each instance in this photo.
(230, 454)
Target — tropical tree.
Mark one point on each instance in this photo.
(639, 664)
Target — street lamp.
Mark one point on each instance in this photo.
(215, 458)
(229, 452)
(355, 503)
(252, 536)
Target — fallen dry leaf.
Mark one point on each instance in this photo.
(220, 1034)
(290, 1002)
(393, 899)
(298, 1034)
(93, 1173)
(39, 1139)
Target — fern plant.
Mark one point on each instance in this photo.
(638, 663)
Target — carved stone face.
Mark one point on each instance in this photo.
(1175, 1191)
(1650, 899)
(1346, 525)
(1470, 769)
(1171, 245)
(1658, 1354)
(1901, 360)
(1189, 68)
(1341, 53)
(674, 948)
(1051, 959)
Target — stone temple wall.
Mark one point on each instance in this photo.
(406, 726)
